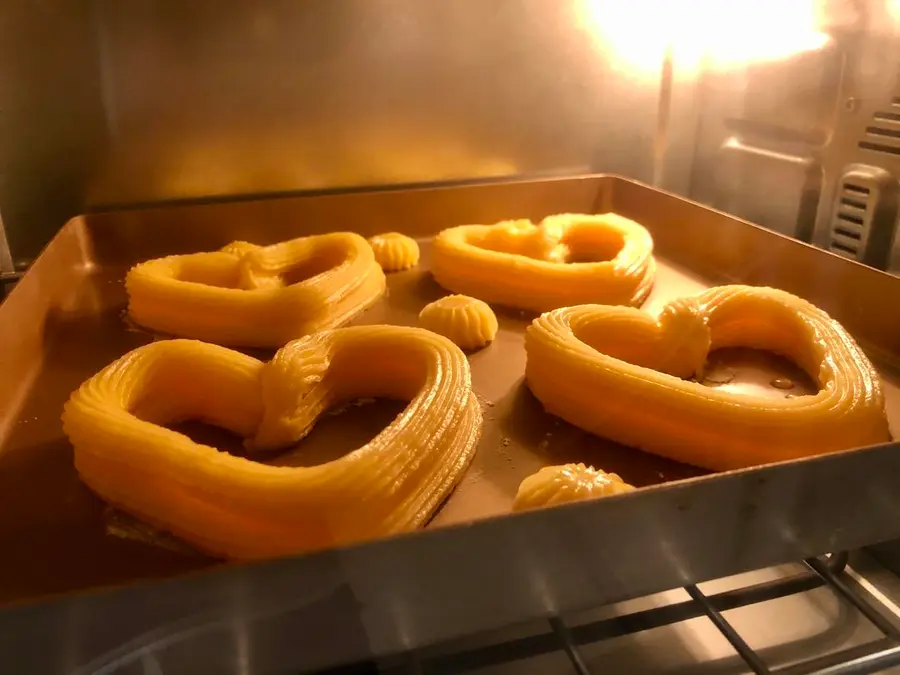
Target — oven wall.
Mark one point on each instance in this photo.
(52, 124)
(809, 145)
(120, 103)
(106, 103)
(213, 98)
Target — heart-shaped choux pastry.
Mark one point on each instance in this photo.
(257, 296)
(618, 372)
(238, 508)
(568, 259)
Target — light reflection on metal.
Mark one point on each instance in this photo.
(720, 35)
(893, 9)
(6, 261)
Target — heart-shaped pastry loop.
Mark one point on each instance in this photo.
(245, 295)
(614, 371)
(238, 508)
(567, 259)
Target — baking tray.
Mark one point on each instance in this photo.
(64, 322)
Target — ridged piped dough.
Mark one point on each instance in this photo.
(567, 483)
(239, 508)
(468, 322)
(394, 251)
(615, 372)
(245, 295)
(567, 259)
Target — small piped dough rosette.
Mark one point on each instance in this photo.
(615, 372)
(567, 483)
(238, 508)
(468, 322)
(567, 259)
(245, 295)
(394, 251)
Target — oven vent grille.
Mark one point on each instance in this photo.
(883, 133)
(849, 225)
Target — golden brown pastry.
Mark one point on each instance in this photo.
(616, 372)
(239, 508)
(257, 296)
(568, 259)
(468, 322)
(567, 483)
(394, 251)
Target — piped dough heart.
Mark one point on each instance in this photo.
(567, 259)
(615, 372)
(257, 296)
(239, 508)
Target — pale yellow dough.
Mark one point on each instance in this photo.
(394, 251)
(238, 508)
(617, 372)
(469, 322)
(257, 296)
(567, 259)
(567, 483)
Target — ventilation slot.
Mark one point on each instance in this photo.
(883, 132)
(849, 224)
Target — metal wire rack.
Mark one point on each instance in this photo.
(829, 571)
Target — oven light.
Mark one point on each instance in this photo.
(718, 33)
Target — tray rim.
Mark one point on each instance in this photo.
(378, 573)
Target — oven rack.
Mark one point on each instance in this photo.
(829, 571)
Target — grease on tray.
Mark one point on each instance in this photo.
(257, 296)
(567, 259)
(237, 508)
(616, 372)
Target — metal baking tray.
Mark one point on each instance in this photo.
(469, 570)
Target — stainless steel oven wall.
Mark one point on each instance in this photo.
(110, 103)
(51, 119)
(809, 144)
(213, 98)
(762, 130)
(858, 213)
